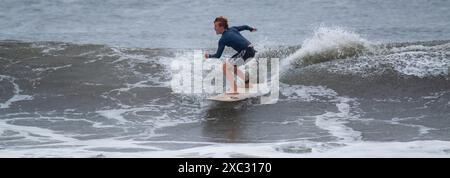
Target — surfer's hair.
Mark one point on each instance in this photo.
(223, 21)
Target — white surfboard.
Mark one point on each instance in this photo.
(255, 91)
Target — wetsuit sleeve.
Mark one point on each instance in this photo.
(219, 50)
(244, 27)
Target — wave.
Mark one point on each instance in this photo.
(327, 44)
(329, 52)
(338, 51)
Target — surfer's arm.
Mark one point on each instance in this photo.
(219, 50)
(245, 27)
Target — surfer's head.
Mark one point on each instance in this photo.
(220, 24)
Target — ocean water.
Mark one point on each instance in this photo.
(92, 79)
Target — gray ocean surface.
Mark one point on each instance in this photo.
(188, 24)
(93, 79)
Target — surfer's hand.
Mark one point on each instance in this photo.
(206, 55)
(253, 30)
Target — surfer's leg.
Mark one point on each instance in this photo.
(228, 69)
(241, 75)
(237, 60)
(242, 58)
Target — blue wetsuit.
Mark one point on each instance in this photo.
(232, 38)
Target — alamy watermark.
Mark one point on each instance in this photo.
(198, 75)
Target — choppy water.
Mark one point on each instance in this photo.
(358, 79)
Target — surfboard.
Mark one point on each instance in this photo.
(255, 91)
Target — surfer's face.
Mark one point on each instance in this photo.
(219, 29)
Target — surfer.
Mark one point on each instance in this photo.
(232, 37)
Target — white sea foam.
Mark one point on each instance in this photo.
(48, 48)
(17, 93)
(34, 133)
(422, 129)
(430, 148)
(306, 93)
(40, 70)
(161, 115)
(333, 122)
(420, 64)
(116, 114)
(416, 60)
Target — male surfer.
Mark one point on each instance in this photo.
(232, 37)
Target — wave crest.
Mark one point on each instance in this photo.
(327, 44)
